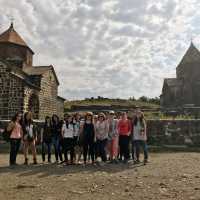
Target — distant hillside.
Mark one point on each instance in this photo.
(108, 104)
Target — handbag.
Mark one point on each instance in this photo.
(6, 135)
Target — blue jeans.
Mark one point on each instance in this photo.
(48, 145)
(136, 144)
(57, 148)
(101, 149)
(124, 146)
(14, 148)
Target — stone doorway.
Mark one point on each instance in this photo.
(34, 105)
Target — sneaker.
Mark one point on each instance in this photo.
(145, 161)
(65, 163)
(14, 164)
(35, 162)
(71, 163)
(137, 161)
(26, 161)
(93, 163)
(79, 162)
(62, 162)
(111, 161)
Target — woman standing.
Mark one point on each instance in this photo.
(56, 133)
(88, 137)
(29, 137)
(77, 149)
(16, 134)
(68, 138)
(46, 138)
(139, 137)
(102, 129)
(124, 130)
(113, 138)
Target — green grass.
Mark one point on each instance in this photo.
(110, 102)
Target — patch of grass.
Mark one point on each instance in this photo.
(111, 102)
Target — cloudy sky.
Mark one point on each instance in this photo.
(111, 48)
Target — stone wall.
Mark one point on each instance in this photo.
(16, 95)
(174, 132)
(48, 95)
(4, 90)
(8, 50)
(11, 93)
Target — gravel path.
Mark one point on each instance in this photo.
(167, 176)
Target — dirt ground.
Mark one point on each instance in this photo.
(167, 176)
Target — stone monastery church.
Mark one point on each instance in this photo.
(24, 87)
(184, 90)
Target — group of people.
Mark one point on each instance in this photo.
(84, 138)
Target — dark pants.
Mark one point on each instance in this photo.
(124, 146)
(68, 144)
(101, 149)
(57, 148)
(88, 144)
(14, 148)
(48, 145)
(136, 144)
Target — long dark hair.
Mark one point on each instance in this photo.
(66, 120)
(29, 121)
(141, 119)
(14, 118)
(46, 118)
(89, 114)
(53, 120)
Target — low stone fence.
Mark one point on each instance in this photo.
(162, 132)
(174, 132)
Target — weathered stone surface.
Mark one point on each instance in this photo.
(173, 132)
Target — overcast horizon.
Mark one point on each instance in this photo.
(109, 48)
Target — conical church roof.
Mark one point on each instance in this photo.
(11, 36)
(192, 55)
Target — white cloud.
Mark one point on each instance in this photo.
(114, 48)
